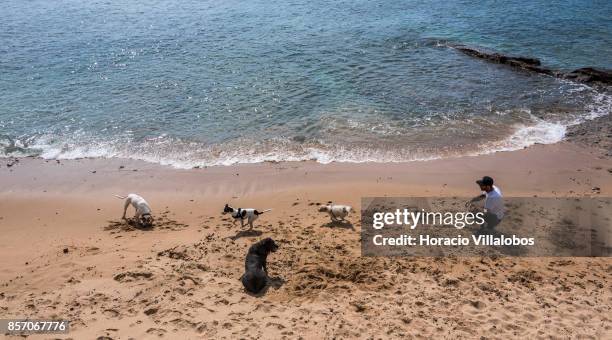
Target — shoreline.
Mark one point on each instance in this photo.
(565, 155)
(66, 255)
(592, 134)
(540, 133)
(592, 129)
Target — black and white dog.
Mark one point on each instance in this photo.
(255, 274)
(241, 214)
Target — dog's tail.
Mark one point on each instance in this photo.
(261, 212)
(122, 197)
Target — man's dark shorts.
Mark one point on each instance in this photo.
(491, 221)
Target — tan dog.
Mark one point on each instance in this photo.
(337, 212)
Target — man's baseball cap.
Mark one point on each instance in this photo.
(486, 180)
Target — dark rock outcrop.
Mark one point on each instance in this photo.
(590, 75)
(531, 64)
(587, 75)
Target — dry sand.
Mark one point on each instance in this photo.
(64, 253)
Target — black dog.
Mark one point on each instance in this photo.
(256, 273)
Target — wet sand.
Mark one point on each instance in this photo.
(65, 254)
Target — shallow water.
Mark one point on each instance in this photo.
(207, 82)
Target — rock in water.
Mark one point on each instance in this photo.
(587, 75)
(590, 75)
(531, 64)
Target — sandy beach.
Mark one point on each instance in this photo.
(65, 254)
(469, 145)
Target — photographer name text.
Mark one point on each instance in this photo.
(427, 240)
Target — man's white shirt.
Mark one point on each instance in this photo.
(494, 202)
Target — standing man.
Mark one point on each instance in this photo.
(493, 205)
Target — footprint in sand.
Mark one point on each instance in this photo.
(132, 276)
(473, 307)
(111, 313)
(157, 331)
(150, 311)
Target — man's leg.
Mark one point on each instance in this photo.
(491, 221)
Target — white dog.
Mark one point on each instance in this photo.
(250, 214)
(336, 212)
(142, 208)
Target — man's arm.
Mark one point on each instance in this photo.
(475, 199)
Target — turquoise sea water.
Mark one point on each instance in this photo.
(192, 83)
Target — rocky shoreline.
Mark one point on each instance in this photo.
(596, 133)
(586, 75)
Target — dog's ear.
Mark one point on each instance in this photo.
(146, 220)
(273, 245)
(269, 243)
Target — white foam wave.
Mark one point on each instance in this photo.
(541, 133)
(183, 154)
